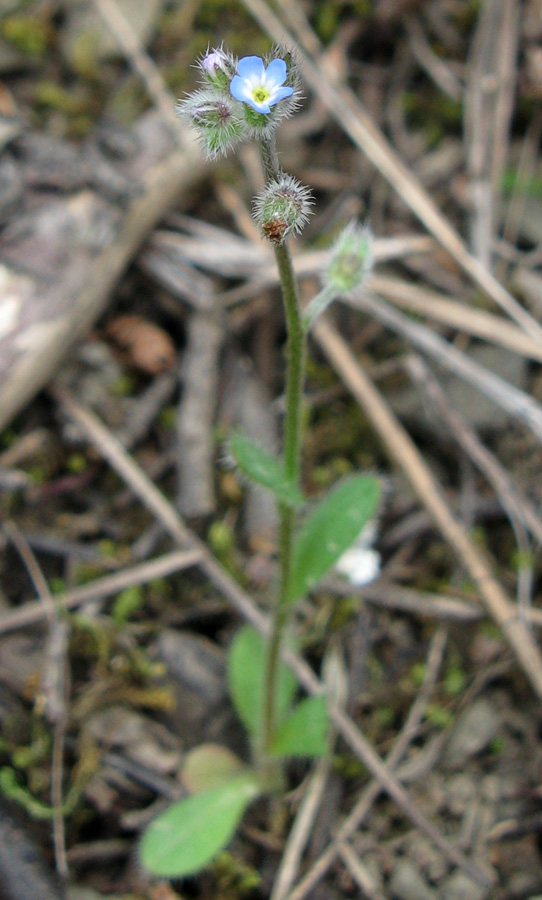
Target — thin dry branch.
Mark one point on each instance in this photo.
(34, 611)
(466, 319)
(435, 67)
(488, 109)
(515, 402)
(195, 438)
(517, 506)
(54, 687)
(144, 66)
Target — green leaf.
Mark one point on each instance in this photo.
(330, 530)
(188, 835)
(246, 673)
(265, 470)
(304, 733)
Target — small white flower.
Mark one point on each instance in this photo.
(258, 86)
(360, 564)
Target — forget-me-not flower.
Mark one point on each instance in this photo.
(259, 86)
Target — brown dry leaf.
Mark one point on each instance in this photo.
(148, 347)
(7, 103)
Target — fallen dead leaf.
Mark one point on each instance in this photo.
(148, 347)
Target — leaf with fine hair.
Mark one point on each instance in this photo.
(264, 469)
(188, 835)
(330, 530)
(246, 673)
(304, 732)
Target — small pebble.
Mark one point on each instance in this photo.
(474, 731)
(460, 887)
(408, 883)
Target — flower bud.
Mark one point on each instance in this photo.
(218, 67)
(351, 259)
(216, 118)
(283, 207)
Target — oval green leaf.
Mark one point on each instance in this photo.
(264, 469)
(187, 836)
(304, 733)
(330, 530)
(246, 673)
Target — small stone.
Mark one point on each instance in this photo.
(197, 668)
(408, 883)
(428, 857)
(477, 409)
(196, 663)
(474, 731)
(460, 887)
(461, 791)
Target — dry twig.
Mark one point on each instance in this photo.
(515, 402)
(53, 694)
(34, 611)
(144, 66)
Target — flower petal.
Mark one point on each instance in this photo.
(251, 67)
(241, 89)
(280, 94)
(276, 72)
(262, 107)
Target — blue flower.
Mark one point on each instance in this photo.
(261, 88)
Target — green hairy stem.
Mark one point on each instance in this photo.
(295, 375)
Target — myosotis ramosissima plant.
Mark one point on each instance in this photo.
(245, 100)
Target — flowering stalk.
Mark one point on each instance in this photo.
(295, 377)
(245, 100)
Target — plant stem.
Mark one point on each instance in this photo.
(295, 375)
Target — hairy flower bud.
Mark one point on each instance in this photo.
(351, 258)
(215, 116)
(218, 67)
(350, 262)
(282, 207)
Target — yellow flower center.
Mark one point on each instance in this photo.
(260, 94)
